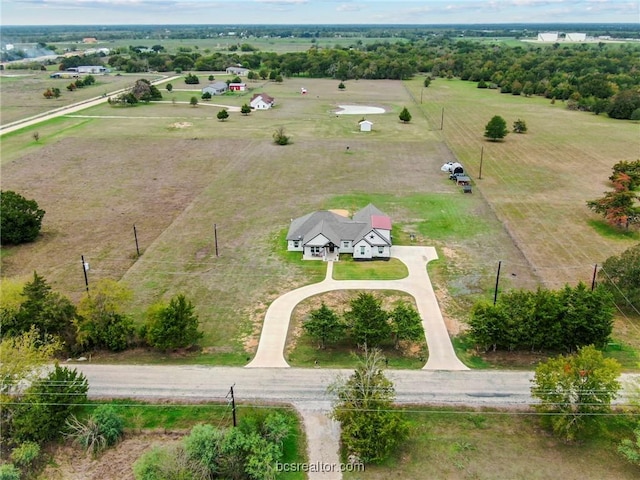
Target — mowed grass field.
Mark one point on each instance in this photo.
(175, 171)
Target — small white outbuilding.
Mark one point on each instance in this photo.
(365, 125)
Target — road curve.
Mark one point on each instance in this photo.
(441, 353)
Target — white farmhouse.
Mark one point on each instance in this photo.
(261, 101)
(323, 235)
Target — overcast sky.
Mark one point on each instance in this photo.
(101, 12)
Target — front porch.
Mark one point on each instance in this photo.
(328, 253)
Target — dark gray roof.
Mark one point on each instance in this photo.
(333, 226)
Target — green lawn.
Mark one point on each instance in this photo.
(460, 444)
(348, 269)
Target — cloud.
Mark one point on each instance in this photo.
(350, 7)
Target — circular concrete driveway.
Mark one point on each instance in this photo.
(441, 354)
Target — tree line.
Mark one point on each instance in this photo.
(99, 321)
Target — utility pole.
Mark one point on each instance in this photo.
(215, 238)
(481, 156)
(85, 267)
(233, 404)
(135, 235)
(442, 119)
(495, 294)
(593, 280)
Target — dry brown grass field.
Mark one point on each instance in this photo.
(174, 171)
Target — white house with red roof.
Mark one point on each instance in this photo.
(261, 101)
(324, 235)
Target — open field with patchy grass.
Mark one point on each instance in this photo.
(461, 445)
(22, 91)
(174, 171)
(106, 174)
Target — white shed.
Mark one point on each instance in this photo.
(548, 37)
(365, 125)
(575, 37)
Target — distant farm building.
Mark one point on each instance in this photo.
(548, 37)
(243, 72)
(261, 101)
(365, 126)
(89, 40)
(89, 69)
(216, 88)
(575, 37)
(237, 87)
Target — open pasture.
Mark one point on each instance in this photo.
(538, 183)
(175, 171)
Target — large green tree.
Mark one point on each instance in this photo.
(324, 325)
(370, 428)
(405, 115)
(45, 406)
(496, 129)
(406, 324)
(573, 390)
(174, 325)
(368, 321)
(103, 322)
(20, 219)
(620, 275)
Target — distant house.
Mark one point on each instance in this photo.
(261, 101)
(365, 126)
(323, 235)
(89, 40)
(243, 72)
(237, 87)
(216, 88)
(89, 69)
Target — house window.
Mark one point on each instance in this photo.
(380, 250)
(315, 251)
(345, 244)
(296, 244)
(362, 250)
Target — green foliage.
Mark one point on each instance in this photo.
(46, 405)
(324, 325)
(280, 138)
(109, 422)
(223, 115)
(191, 79)
(173, 326)
(48, 311)
(341, 86)
(405, 116)
(102, 322)
(427, 82)
(204, 445)
(620, 276)
(169, 87)
(627, 169)
(25, 455)
(103, 429)
(245, 109)
(624, 103)
(206, 96)
(194, 101)
(574, 389)
(9, 471)
(368, 321)
(168, 463)
(20, 219)
(519, 126)
(406, 323)
(249, 452)
(370, 428)
(496, 129)
(630, 449)
(566, 319)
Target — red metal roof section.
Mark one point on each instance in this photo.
(381, 221)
